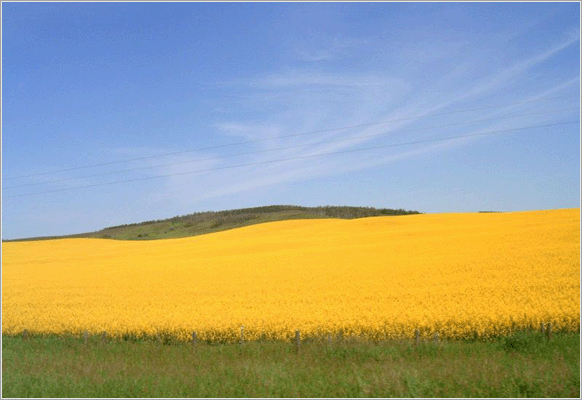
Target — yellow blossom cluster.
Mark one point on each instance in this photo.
(459, 275)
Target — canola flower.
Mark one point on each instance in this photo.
(459, 275)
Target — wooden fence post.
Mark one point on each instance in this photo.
(417, 337)
(549, 331)
(85, 337)
(242, 335)
(104, 337)
(193, 338)
(436, 339)
(542, 330)
(25, 334)
(297, 341)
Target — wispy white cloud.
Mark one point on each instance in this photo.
(337, 49)
(305, 101)
(574, 33)
(301, 79)
(250, 131)
(311, 100)
(498, 80)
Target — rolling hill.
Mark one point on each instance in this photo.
(213, 221)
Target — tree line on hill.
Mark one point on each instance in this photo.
(245, 214)
(212, 221)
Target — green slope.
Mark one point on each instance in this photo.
(211, 221)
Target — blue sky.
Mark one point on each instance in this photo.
(85, 84)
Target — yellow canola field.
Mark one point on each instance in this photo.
(461, 275)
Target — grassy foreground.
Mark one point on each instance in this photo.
(522, 365)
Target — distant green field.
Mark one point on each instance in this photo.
(522, 365)
(208, 222)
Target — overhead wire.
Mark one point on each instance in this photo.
(281, 148)
(293, 159)
(280, 137)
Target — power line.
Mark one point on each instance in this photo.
(279, 148)
(280, 137)
(293, 158)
